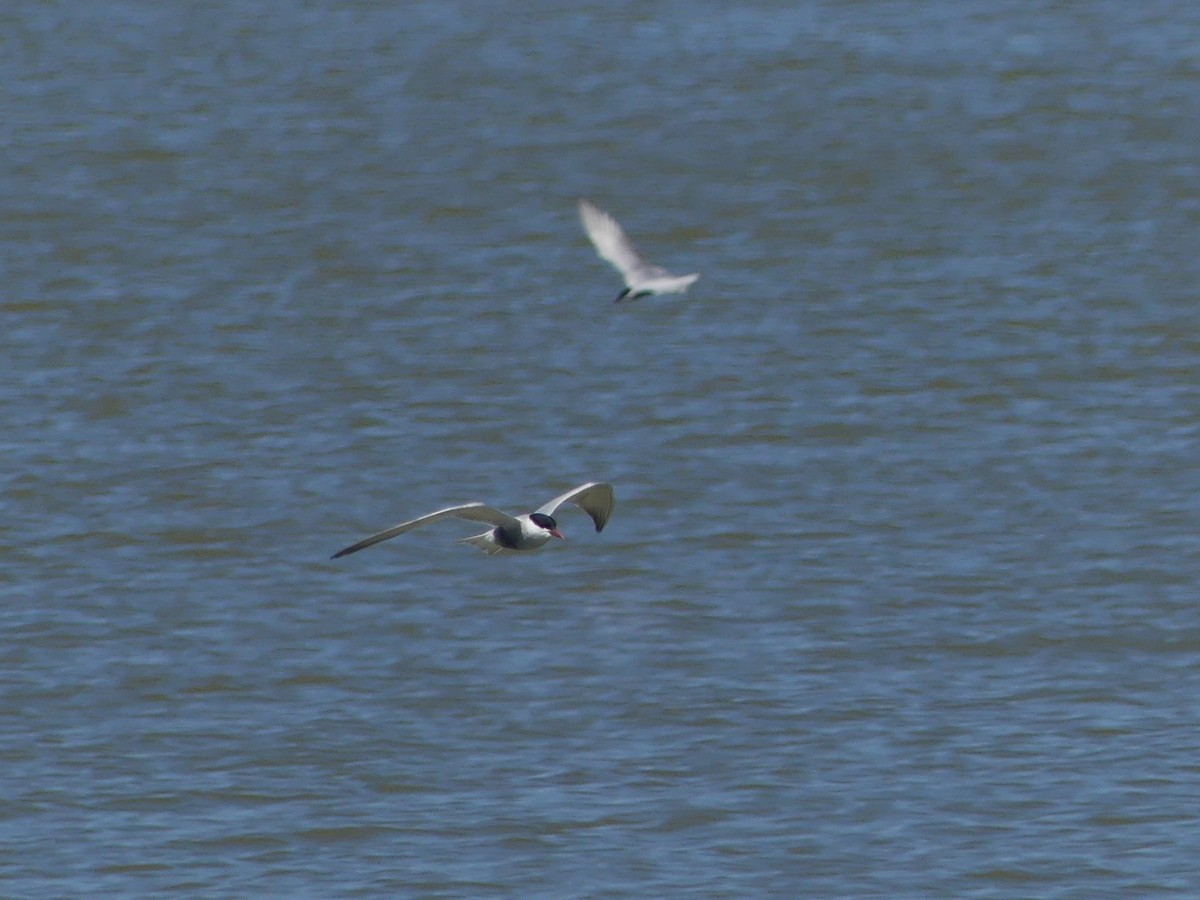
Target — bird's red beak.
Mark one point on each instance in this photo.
(558, 534)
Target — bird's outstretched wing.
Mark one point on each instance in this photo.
(613, 244)
(595, 498)
(474, 512)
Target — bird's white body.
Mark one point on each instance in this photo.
(509, 534)
(528, 535)
(612, 244)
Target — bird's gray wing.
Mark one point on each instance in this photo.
(595, 498)
(474, 512)
(613, 244)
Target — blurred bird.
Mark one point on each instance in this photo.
(641, 278)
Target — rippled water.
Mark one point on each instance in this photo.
(899, 595)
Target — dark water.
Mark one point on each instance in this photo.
(899, 598)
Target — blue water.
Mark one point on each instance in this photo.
(898, 599)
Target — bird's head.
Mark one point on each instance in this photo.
(547, 522)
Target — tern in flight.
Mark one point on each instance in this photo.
(509, 533)
(641, 278)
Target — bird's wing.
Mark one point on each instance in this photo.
(595, 498)
(614, 245)
(475, 512)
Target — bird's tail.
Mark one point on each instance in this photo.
(484, 542)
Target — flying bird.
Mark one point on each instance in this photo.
(641, 278)
(509, 533)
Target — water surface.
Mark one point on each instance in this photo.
(899, 595)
